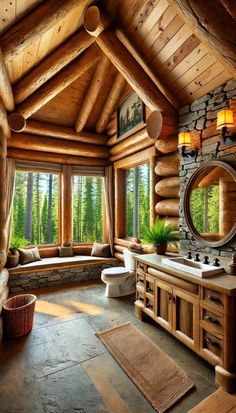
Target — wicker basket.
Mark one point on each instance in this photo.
(18, 314)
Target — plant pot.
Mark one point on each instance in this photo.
(12, 259)
(160, 249)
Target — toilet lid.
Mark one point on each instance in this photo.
(115, 271)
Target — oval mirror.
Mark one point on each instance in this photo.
(210, 203)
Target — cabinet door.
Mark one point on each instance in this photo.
(186, 318)
(163, 304)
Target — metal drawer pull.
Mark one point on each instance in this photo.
(214, 298)
(212, 320)
(212, 343)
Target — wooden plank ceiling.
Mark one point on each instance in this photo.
(174, 54)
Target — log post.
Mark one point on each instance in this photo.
(168, 207)
(92, 93)
(59, 82)
(5, 86)
(111, 103)
(34, 24)
(51, 65)
(67, 206)
(47, 144)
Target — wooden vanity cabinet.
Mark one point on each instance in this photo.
(200, 313)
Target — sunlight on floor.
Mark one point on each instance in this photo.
(45, 307)
(87, 308)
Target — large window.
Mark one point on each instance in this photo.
(87, 209)
(35, 208)
(137, 200)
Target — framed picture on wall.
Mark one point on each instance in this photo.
(130, 115)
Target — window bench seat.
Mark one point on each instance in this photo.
(58, 271)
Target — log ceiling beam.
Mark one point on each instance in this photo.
(36, 156)
(59, 82)
(111, 103)
(47, 144)
(18, 123)
(63, 55)
(230, 6)
(126, 64)
(35, 23)
(6, 93)
(214, 27)
(95, 86)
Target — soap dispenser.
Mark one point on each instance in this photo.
(232, 265)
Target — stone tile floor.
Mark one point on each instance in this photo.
(62, 367)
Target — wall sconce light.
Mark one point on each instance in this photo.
(225, 121)
(185, 144)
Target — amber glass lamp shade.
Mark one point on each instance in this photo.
(184, 139)
(225, 118)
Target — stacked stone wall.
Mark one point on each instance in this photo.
(200, 117)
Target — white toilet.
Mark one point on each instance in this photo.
(120, 281)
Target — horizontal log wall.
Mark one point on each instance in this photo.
(201, 116)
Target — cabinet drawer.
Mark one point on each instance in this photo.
(141, 267)
(212, 321)
(140, 295)
(149, 285)
(150, 303)
(140, 277)
(212, 346)
(213, 298)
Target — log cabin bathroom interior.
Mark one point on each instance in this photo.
(117, 206)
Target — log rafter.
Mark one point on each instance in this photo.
(35, 23)
(92, 93)
(59, 82)
(5, 86)
(126, 64)
(51, 65)
(111, 103)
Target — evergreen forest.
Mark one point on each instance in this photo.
(87, 209)
(204, 208)
(35, 208)
(138, 201)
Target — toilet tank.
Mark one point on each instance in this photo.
(129, 260)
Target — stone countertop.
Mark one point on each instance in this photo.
(220, 282)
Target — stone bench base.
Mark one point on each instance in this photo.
(24, 278)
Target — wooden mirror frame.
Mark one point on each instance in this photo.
(187, 213)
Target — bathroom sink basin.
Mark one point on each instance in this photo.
(196, 268)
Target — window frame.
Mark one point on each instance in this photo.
(104, 236)
(121, 166)
(37, 169)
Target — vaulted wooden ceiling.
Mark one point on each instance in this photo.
(162, 40)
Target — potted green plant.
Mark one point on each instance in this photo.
(161, 234)
(13, 254)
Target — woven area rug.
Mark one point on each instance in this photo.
(156, 375)
(218, 402)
